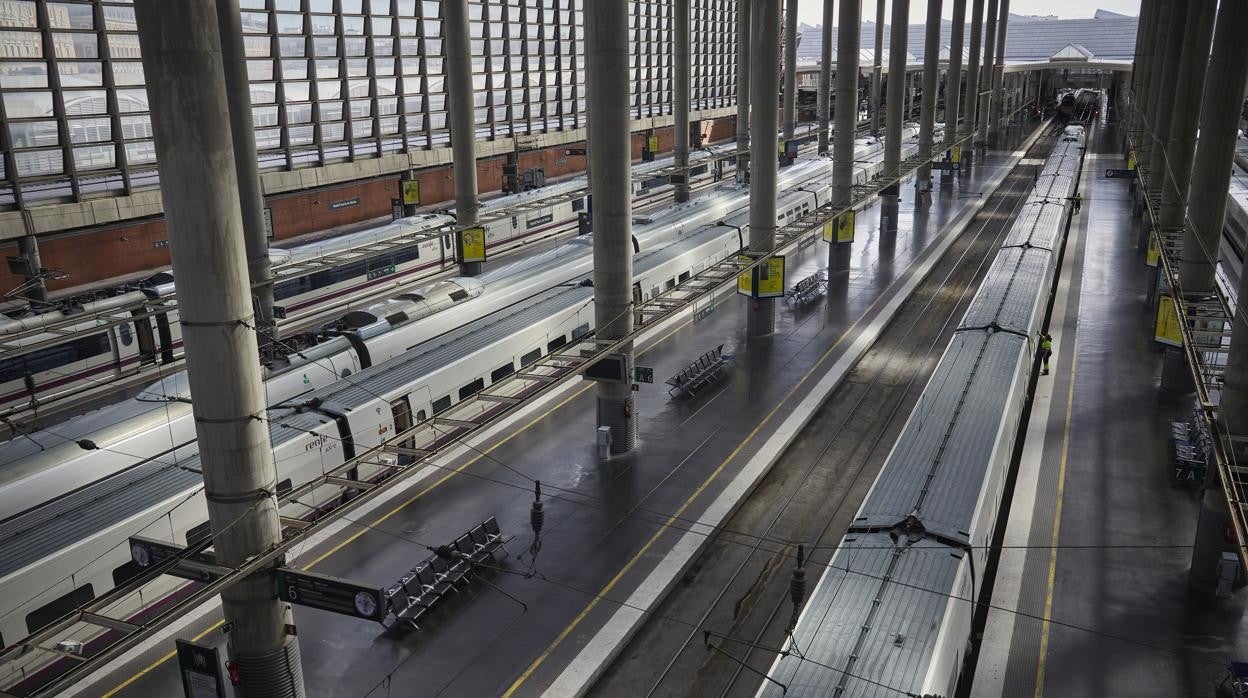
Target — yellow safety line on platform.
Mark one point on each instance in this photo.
(684, 505)
(1057, 525)
(397, 509)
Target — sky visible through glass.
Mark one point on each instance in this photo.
(811, 11)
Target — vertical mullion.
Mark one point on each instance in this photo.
(400, 76)
(120, 159)
(370, 56)
(344, 82)
(312, 76)
(279, 91)
(424, 76)
(68, 167)
(10, 160)
(487, 57)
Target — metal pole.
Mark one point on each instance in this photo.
(998, 76)
(972, 73)
(790, 71)
(28, 247)
(988, 69)
(608, 87)
(680, 19)
(1161, 122)
(247, 167)
(953, 84)
(825, 76)
(181, 50)
(743, 90)
(877, 60)
(927, 107)
(463, 121)
(765, 30)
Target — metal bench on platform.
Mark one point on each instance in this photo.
(709, 368)
(442, 574)
(807, 290)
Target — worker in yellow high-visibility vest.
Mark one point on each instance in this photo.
(1046, 350)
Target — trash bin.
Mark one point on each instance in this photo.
(604, 443)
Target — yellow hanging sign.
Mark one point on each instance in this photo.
(955, 155)
(765, 281)
(411, 191)
(840, 229)
(472, 245)
(1167, 329)
(653, 144)
(1131, 160)
(1153, 256)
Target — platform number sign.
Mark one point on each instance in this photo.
(331, 594)
(643, 374)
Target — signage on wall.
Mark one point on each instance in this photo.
(411, 191)
(268, 223)
(344, 203)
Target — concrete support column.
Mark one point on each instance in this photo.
(847, 52)
(790, 70)
(462, 119)
(680, 21)
(247, 167)
(743, 90)
(927, 109)
(893, 118)
(28, 247)
(608, 88)
(972, 76)
(182, 60)
(1215, 154)
(847, 46)
(1140, 68)
(986, 72)
(1164, 109)
(877, 77)
(1148, 111)
(765, 63)
(825, 77)
(1185, 116)
(998, 76)
(953, 85)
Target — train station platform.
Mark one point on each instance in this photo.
(618, 535)
(1091, 595)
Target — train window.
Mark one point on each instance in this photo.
(578, 204)
(580, 331)
(472, 388)
(458, 296)
(53, 358)
(198, 533)
(127, 336)
(442, 404)
(125, 573)
(407, 254)
(291, 288)
(285, 486)
(530, 357)
(397, 318)
(684, 276)
(44, 616)
(556, 343)
(502, 372)
(671, 283)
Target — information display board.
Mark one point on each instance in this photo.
(1153, 256)
(766, 281)
(200, 667)
(410, 189)
(840, 229)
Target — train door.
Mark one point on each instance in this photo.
(115, 337)
(166, 338)
(147, 341)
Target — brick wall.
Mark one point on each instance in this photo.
(127, 249)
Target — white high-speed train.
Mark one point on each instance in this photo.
(47, 464)
(894, 607)
(448, 357)
(85, 355)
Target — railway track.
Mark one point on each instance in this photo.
(739, 588)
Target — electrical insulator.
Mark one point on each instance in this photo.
(797, 583)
